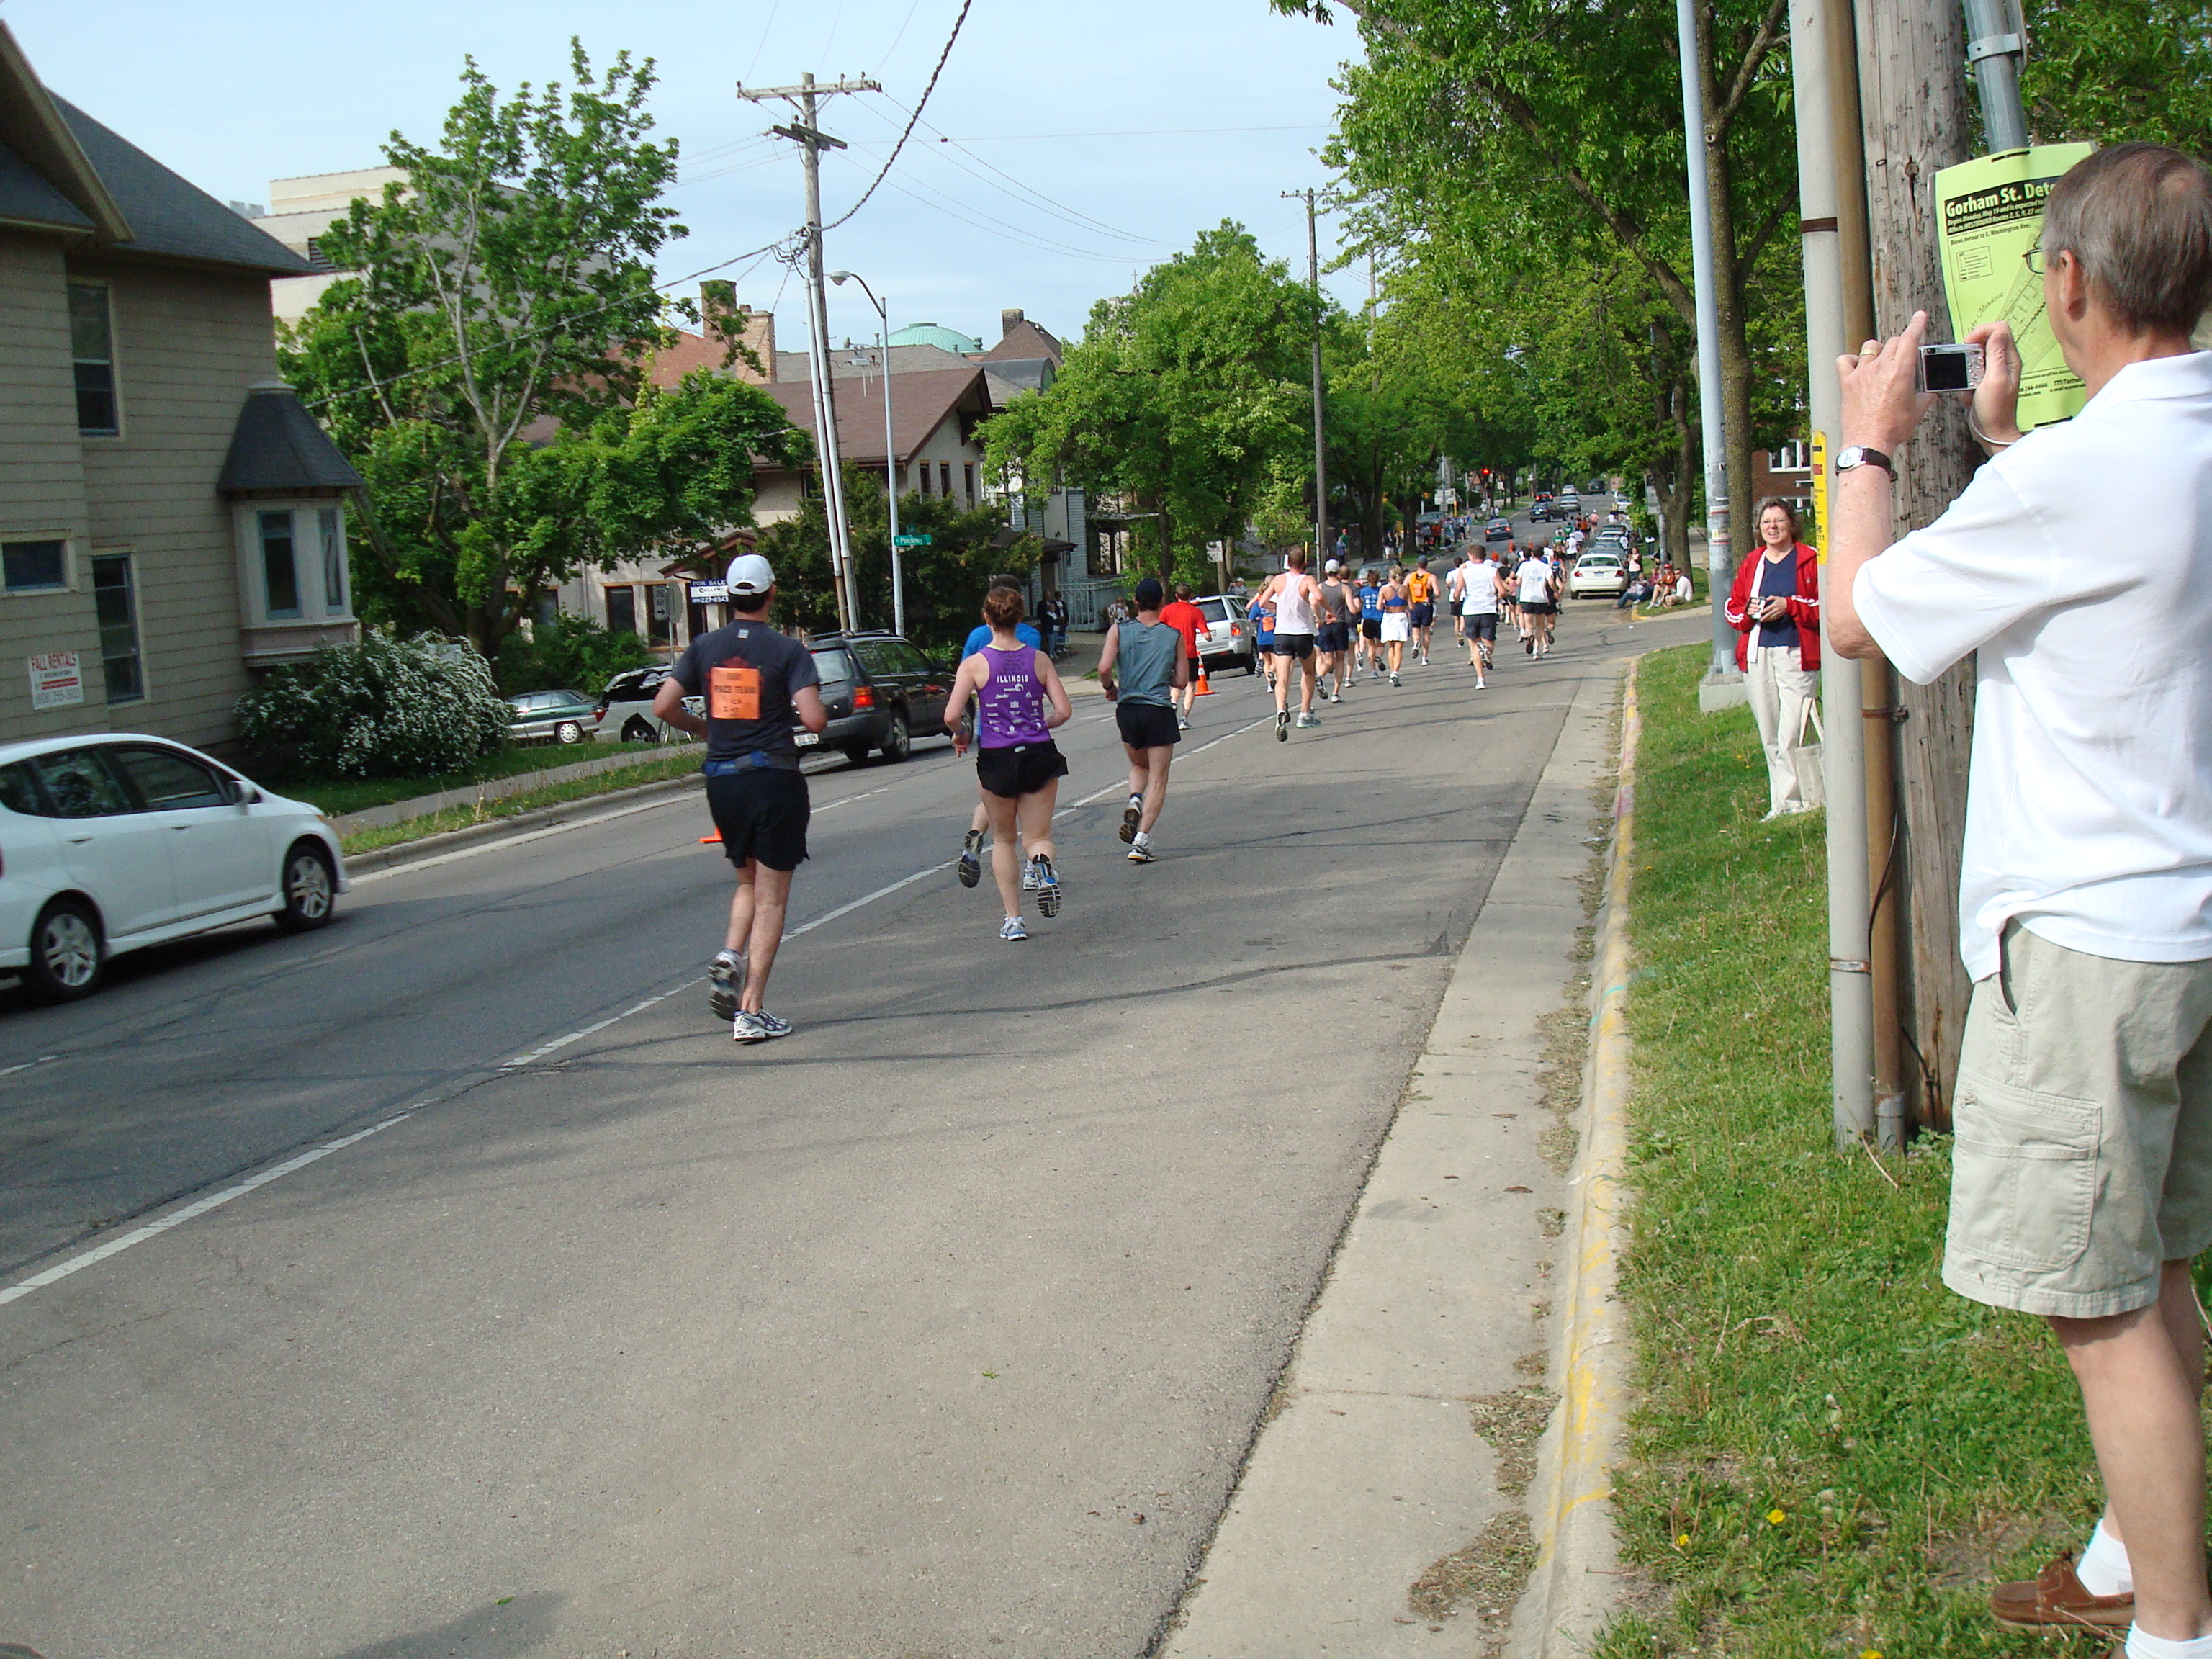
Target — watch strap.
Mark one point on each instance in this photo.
(1862, 456)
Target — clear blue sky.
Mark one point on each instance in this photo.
(232, 93)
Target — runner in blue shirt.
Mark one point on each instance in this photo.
(1370, 622)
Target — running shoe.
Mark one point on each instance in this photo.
(1336, 697)
(1529, 645)
(1303, 721)
(1182, 725)
(1130, 814)
(1394, 680)
(1048, 884)
(971, 859)
(758, 1025)
(1029, 878)
(1282, 725)
(1482, 685)
(726, 981)
(1140, 852)
(1012, 930)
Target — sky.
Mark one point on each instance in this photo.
(1088, 141)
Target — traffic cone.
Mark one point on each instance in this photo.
(1202, 689)
(715, 839)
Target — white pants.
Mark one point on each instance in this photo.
(1781, 690)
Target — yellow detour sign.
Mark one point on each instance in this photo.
(1989, 214)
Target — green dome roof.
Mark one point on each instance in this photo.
(947, 339)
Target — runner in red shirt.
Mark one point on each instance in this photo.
(1187, 619)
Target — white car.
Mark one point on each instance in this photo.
(1227, 638)
(1596, 573)
(112, 842)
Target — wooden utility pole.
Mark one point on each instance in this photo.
(807, 134)
(1913, 111)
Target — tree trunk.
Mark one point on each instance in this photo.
(1913, 103)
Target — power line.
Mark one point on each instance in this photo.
(891, 160)
(755, 255)
(961, 211)
(1074, 216)
(1133, 132)
(913, 6)
(767, 29)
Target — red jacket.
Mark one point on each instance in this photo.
(1804, 605)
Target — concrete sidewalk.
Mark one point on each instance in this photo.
(1381, 1509)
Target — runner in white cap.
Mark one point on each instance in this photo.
(758, 684)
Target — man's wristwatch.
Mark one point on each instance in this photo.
(1860, 455)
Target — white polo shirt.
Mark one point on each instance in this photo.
(2079, 564)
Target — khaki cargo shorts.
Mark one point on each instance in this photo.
(2083, 1124)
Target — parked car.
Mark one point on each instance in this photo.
(1498, 530)
(552, 717)
(1616, 537)
(1541, 509)
(1596, 573)
(1228, 634)
(624, 712)
(881, 693)
(115, 842)
(1568, 506)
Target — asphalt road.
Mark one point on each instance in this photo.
(938, 1329)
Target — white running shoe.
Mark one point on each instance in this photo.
(1047, 885)
(759, 1026)
(1012, 930)
(726, 982)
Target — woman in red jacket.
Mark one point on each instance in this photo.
(1775, 606)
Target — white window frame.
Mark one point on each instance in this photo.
(71, 279)
(310, 570)
(69, 563)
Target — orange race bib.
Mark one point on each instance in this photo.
(733, 694)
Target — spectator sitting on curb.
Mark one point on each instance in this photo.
(1775, 605)
(2082, 1184)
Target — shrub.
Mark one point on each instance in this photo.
(383, 708)
(568, 654)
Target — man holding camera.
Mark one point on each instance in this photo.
(2083, 1180)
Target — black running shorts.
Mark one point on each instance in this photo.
(1146, 725)
(762, 813)
(1483, 625)
(1333, 636)
(1294, 645)
(1020, 768)
(1371, 627)
(1425, 614)
(1538, 607)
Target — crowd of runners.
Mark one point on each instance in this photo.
(1317, 636)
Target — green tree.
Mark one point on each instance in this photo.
(2111, 70)
(1181, 396)
(481, 363)
(1545, 122)
(944, 583)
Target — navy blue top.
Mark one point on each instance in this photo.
(1778, 579)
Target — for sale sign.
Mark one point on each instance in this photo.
(56, 682)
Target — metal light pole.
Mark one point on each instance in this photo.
(1709, 408)
(891, 451)
(1996, 44)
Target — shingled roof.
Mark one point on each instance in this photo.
(920, 402)
(277, 448)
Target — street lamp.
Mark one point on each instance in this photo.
(890, 454)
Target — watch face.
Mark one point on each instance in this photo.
(1850, 459)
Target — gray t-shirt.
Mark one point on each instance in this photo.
(747, 672)
(1145, 662)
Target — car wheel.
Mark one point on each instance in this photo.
(311, 887)
(640, 730)
(568, 732)
(68, 955)
(856, 752)
(898, 741)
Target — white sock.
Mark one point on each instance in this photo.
(2103, 1568)
(2143, 1645)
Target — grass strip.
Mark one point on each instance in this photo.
(1831, 1454)
(679, 764)
(339, 796)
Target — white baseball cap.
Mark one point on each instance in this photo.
(751, 574)
(1331, 565)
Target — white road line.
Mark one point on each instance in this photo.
(213, 1202)
(25, 1066)
(277, 1171)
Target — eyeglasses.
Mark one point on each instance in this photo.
(2033, 260)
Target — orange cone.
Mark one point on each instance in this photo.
(715, 839)
(1202, 689)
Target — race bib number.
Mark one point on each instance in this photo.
(733, 694)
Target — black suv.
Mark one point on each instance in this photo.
(881, 693)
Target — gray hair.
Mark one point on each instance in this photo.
(2138, 220)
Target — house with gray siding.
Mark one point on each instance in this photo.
(171, 519)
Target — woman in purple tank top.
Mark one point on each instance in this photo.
(1018, 700)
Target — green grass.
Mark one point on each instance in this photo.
(339, 796)
(1797, 1355)
(656, 765)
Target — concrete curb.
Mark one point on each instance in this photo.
(1574, 1586)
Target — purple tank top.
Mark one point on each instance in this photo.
(1011, 710)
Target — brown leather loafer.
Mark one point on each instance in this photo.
(2056, 1596)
